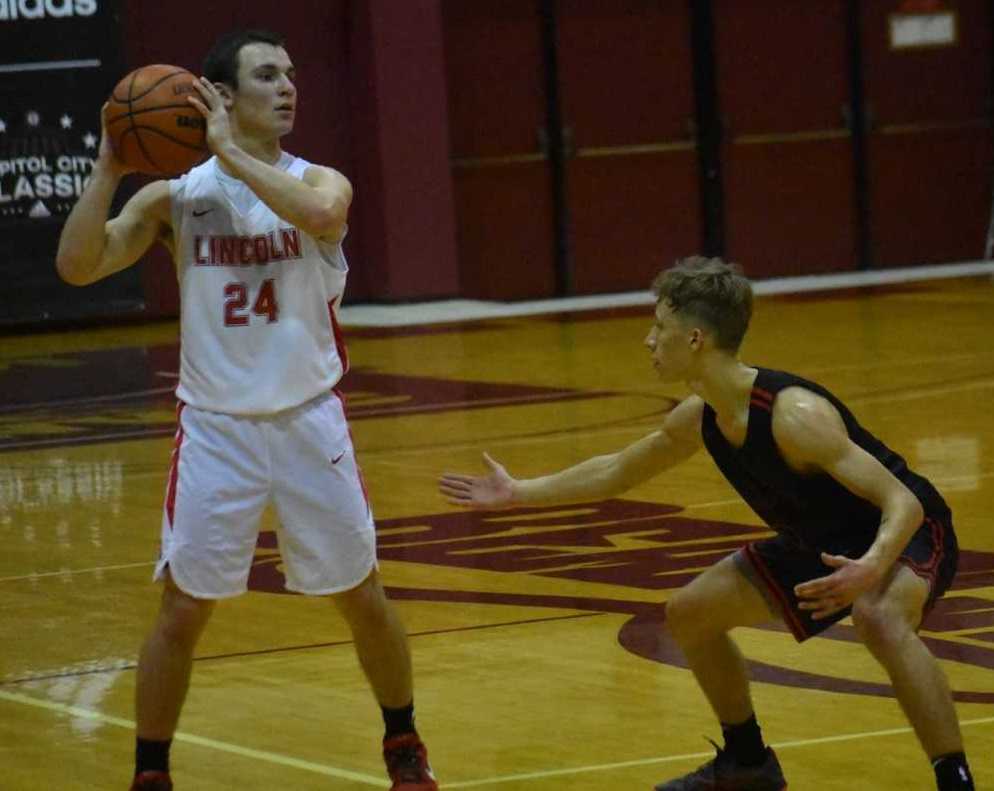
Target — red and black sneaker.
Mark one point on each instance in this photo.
(152, 781)
(723, 774)
(407, 763)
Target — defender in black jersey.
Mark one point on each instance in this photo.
(815, 513)
(857, 532)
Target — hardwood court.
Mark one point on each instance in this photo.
(539, 660)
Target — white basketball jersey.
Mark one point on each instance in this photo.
(257, 298)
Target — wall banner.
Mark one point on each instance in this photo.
(59, 59)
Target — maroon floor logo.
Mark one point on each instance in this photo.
(645, 546)
(112, 395)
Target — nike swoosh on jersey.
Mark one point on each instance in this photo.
(338, 458)
(201, 213)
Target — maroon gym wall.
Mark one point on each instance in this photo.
(435, 109)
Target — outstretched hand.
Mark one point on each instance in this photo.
(495, 490)
(836, 591)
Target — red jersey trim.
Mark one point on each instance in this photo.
(759, 404)
(174, 465)
(790, 617)
(929, 570)
(362, 481)
(336, 331)
(762, 395)
(762, 399)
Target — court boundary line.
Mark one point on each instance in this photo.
(346, 774)
(71, 572)
(843, 737)
(201, 741)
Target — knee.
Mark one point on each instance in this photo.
(879, 625)
(685, 618)
(365, 603)
(182, 618)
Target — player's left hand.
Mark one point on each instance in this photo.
(836, 591)
(105, 153)
(211, 107)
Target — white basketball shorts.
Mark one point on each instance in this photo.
(225, 470)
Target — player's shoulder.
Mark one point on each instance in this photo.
(306, 169)
(202, 170)
(805, 423)
(319, 175)
(798, 403)
(307, 165)
(685, 417)
(197, 180)
(152, 200)
(691, 405)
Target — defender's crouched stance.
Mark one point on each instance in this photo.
(857, 531)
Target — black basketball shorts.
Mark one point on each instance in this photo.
(775, 565)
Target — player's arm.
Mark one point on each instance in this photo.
(318, 203)
(91, 247)
(812, 436)
(594, 479)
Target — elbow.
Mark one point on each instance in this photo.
(71, 272)
(329, 219)
(916, 510)
(906, 509)
(326, 224)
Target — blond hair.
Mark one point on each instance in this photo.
(709, 291)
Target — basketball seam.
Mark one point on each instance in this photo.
(170, 138)
(154, 109)
(129, 118)
(133, 129)
(151, 87)
(148, 129)
(141, 146)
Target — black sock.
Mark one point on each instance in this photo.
(952, 773)
(398, 721)
(151, 756)
(744, 742)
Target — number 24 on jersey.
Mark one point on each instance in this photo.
(236, 300)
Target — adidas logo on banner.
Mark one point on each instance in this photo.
(38, 9)
(39, 211)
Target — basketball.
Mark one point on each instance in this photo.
(151, 126)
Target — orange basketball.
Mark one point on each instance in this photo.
(151, 125)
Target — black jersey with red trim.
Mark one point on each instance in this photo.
(808, 507)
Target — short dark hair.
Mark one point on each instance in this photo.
(712, 292)
(221, 63)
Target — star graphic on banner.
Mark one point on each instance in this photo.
(66, 121)
(3, 126)
(90, 140)
(32, 118)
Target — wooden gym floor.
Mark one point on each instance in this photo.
(539, 659)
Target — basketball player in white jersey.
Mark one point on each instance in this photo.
(256, 235)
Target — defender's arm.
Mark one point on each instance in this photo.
(594, 479)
